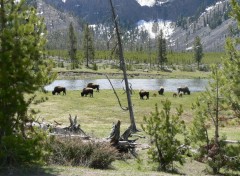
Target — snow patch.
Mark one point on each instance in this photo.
(149, 3)
(214, 6)
(153, 27)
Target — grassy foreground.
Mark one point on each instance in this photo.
(96, 115)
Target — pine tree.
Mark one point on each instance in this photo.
(88, 46)
(163, 128)
(72, 46)
(232, 66)
(222, 96)
(210, 106)
(198, 50)
(23, 70)
(162, 50)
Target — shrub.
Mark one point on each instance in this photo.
(163, 129)
(95, 67)
(15, 150)
(61, 64)
(102, 156)
(205, 68)
(77, 153)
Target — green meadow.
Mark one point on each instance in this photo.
(96, 116)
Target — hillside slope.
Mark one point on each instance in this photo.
(212, 35)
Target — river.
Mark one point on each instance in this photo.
(170, 85)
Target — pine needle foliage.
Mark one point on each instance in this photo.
(164, 130)
(23, 70)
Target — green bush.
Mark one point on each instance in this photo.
(164, 129)
(74, 152)
(226, 157)
(95, 67)
(16, 150)
(205, 68)
(102, 156)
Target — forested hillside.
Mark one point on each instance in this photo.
(208, 19)
(130, 11)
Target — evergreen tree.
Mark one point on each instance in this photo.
(210, 106)
(222, 95)
(23, 70)
(163, 128)
(161, 50)
(198, 50)
(88, 46)
(72, 47)
(232, 66)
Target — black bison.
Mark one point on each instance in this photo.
(161, 91)
(174, 94)
(87, 91)
(180, 94)
(143, 93)
(94, 86)
(184, 90)
(58, 90)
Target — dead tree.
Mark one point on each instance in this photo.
(122, 143)
(73, 129)
(122, 62)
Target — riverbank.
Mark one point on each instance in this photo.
(137, 74)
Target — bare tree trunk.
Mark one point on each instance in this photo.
(122, 63)
(217, 111)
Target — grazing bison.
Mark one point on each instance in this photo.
(180, 94)
(94, 86)
(174, 94)
(87, 91)
(161, 91)
(58, 90)
(184, 90)
(143, 93)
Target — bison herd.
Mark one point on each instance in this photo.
(88, 90)
(180, 92)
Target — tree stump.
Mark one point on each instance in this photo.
(122, 143)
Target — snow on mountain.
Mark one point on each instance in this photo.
(220, 3)
(149, 3)
(153, 27)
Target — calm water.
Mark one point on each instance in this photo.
(170, 85)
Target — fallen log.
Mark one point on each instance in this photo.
(73, 129)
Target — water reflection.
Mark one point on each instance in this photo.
(170, 85)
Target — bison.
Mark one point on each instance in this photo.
(94, 86)
(58, 90)
(180, 94)
(143, 93)
(174, 94)
(184, 90)
(161, 91)
(87, 91)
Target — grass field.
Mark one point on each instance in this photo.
(97, 114)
